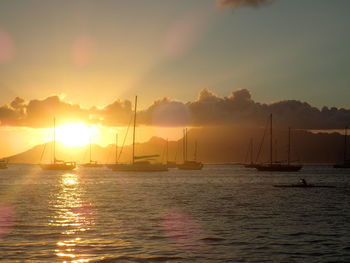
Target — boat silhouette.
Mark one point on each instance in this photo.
(278, 166)
(57, 164)
(139, 163)
(250, 152)
(189, 164)
(346, 161)
(91, 163)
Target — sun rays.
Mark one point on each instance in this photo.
(76, 134)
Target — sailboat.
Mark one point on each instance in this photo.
(346, 161)
(189, 165)
(3, 164)
(57, 164)
(278, 167)
(250, 152)
(169, 164)
(139, 163)
(92, 164)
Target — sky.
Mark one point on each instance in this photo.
(94, 52)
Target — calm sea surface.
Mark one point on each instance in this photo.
(219, 214)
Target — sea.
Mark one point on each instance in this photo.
(224, 213)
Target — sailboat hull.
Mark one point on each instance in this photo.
(92, 165)
(302, 186)
(190, 166)
(344, 165)
(58, 167)
(171, 165)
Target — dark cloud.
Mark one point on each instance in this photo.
(243, 3)
(166, 112)
(115, 114)
(240, 109)
(208, 109)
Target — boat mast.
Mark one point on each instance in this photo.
(251, 150)
(271, 139)
(90, 147)
(288, 160)
(167, 150)
(345, 144)
(116, 148)
(195, 150)
(54, 140)
(133, 136)
(275, 156)
(184, 145)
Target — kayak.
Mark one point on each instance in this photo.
(303, 185)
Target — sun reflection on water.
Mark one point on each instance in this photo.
(74, 216)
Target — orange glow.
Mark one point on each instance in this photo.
(76, 134)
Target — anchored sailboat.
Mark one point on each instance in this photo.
(189, 165)
(57, 164)
(346, 161)
(170, 164)
(91, 163)
(278, 167)
(250, 152)
(139, 163)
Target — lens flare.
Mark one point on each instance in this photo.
(182, 229)
(6, 219)
(6, 47)
(83, 50)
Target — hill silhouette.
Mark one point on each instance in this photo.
(215, 145)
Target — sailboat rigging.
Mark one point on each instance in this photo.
(55, 163)
(250, 152)
(139, 163)
(91, 163)
(346, 161)
(277, 166)
(189, 165)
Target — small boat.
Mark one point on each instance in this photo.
(57, 164)
(3, 164)
(92, 164)
(343, 165)
(138, 163)
(346, 161)
(302, 184)
(250, 151)
(169, 164)
(189, 165)
(275, 166)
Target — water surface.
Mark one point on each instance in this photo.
(219, 214)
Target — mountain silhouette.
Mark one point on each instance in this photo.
(215, 145)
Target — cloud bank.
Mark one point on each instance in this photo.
(208, 109)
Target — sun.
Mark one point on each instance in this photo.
(76, 134)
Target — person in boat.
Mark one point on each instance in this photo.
(303, 181)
